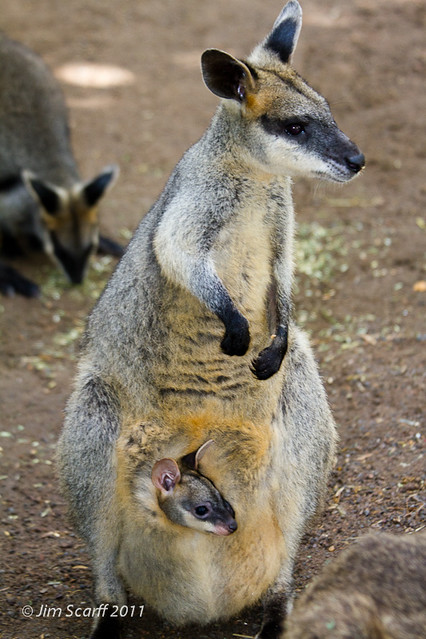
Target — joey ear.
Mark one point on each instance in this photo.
(50, 197)
(282, 39)
(201, 452)
(93, 190)
(165, 475)
(191, 460)
(226, 76)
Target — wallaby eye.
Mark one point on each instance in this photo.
(201, 512)
(279, 127)
(294, 129)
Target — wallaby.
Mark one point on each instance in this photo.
(43, 203)
(375, 589)
(157, 377)
(189, 499)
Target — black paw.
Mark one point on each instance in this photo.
(109, 247)
(274, 617)
(12, 283)
(107, 627)
(270, 630)
(269, 361)
(237, 337)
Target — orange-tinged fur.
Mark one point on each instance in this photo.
(248, 563)
(62, 221)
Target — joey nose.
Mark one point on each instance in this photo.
(355, 162)
(233, 526)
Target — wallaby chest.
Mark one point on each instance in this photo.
(243, 256)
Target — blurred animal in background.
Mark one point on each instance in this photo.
(376, 589)
(43, 202)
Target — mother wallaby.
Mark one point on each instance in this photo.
(208, 276)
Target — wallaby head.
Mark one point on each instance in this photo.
(43, 203)
(69, 219)
(190, 499)
(287, 127)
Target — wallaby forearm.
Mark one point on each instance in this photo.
(198, 275)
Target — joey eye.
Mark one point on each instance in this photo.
(229, 508)
(202, 511)
(294, 129)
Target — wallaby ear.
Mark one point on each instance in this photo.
(93, 190)
(283, 38)
(191, 460)
(50, 197)
(165, 475)
(226, 76)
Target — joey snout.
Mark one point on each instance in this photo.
(225, 529)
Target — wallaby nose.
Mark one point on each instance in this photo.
(233, 526)
(356, 162)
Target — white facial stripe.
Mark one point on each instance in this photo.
(284, 157)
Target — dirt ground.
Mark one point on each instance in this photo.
(360, 288)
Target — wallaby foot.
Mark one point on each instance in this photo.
(274, 615)
(268, 362)
(10, 247)
(109, 247)
(237, 336)
(106, 627)
(11, 282)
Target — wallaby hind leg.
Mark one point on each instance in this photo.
(106, 627)
(274, 614)
(110, 594)
(277, 604)
(87, 469)
(309, 444)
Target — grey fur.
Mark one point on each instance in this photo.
(156, 377)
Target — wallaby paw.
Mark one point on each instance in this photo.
(272, 626)
(237, 338)
(12, 283)
(269, 361)
(107, 246)
(269, 631)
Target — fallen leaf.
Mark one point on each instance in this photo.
(420, 286)
(362, 457)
